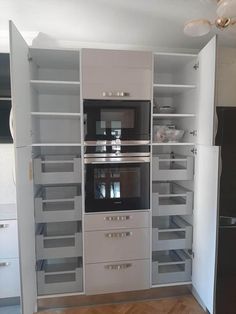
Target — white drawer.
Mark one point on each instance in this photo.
(117, 276)
(8, 239)
(111, 220)
(10, 278)
(117, 245)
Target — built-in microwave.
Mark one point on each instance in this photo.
(115, 120)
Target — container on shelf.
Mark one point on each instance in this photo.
(58, 203)
(171, 233)
(57, 169)
(166, 134)
(171, 199)
(58, 240)
(59, 276)
(171, 267)
(172, 167)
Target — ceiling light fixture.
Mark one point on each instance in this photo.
(226, 17)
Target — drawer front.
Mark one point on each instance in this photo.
(10, 278)
(135, 83)
(8, 239)
(117, 245)
(117, 276)
(116, 221)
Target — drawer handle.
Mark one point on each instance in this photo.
(117, 218)
(118, 234)
(115, 94)
(118, 266)
(4, 226)
(4, 264)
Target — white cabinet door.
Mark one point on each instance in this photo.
(205, 223)
(20, 88)
(206, 93)
(25, 214)
(106, 74)
(10, 278)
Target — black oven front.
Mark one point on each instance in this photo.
(125, 121)
(117, 183)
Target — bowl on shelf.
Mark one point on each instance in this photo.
(166, 109)
(164, 134)
(174, 136)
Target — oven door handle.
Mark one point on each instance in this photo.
(95, 161)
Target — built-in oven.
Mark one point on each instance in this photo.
(114, 120)
(117, 183)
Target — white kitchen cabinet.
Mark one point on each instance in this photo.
(47, 102)
(115, 74)
(10, 277)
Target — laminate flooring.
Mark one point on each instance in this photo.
(179, 305)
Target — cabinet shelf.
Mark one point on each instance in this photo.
(173, 115)
(171, 89)
(173, 144)
(56, 114)
(55, 144)
(57, 87)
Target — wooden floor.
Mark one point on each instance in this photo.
(180, 305)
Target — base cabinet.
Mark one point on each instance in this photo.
(117, 276)
(10, 278)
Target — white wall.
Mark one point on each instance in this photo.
(226, 77)
(7, 186)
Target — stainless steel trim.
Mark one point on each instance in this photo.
(117, 218)
(4, 226)
(116, 142)
(115, 94)
(119, 155)
(4, 264)
(117, 160)
(118, 234)
(118, 266)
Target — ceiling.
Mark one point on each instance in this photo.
(141, 23)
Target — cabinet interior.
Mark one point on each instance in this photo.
(175, 107)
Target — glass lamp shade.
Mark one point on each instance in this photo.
(226, 8)
(197, 28)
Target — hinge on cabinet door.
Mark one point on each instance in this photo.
(194, 151)
(196, 66)
(29, 58)
(193, 132)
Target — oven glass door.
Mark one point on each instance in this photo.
(116, 120)
(117, 186)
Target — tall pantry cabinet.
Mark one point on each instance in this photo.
(48, 124)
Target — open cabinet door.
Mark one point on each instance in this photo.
(20, 85)
(26, 229)
(205, 224)
(20, 88)
(206, 93)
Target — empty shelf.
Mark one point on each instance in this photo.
(171, 89)
(57, 87)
